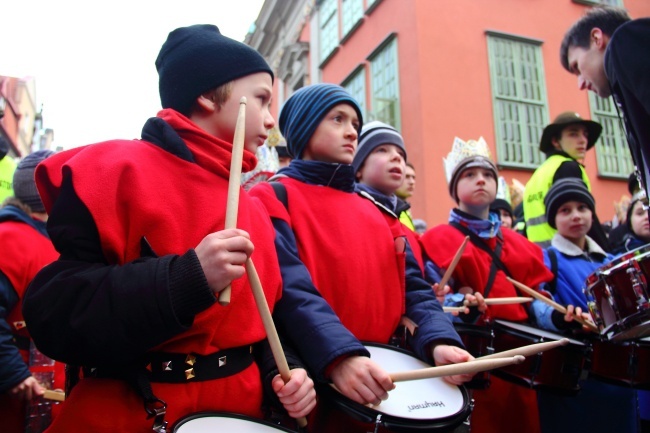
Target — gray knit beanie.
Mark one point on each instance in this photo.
(375, 134)
(24, 182)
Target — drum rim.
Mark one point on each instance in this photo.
(506, 323)
(609, 267)
(220, 414)
(395, 422)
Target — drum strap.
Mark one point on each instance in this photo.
(553, 258)
(280, 192)
(495, 254)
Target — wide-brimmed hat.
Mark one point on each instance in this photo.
(562, 121)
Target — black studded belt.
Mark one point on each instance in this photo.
(167, 367)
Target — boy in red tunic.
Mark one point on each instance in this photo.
(26, 248)
(472, 177)
(380, 170)
(348, 274)
(139, 225)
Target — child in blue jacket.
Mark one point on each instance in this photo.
(572, 257)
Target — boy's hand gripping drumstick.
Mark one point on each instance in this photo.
(501, 301)
(454, 262)
(232, 206)
(552, 303)
(489, 301)
(234, 183)
(269, 327)
(468, 367)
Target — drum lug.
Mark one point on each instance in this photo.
(377, 423)
(637, 285)
(157, 409)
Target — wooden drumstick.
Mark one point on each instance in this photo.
(454, 262)
(530, 350)
(468, 367)
(54, 395)
(269, 327)
(232, 207)
(453, 309)
(234, 183)
(552, 303)
(501, 301)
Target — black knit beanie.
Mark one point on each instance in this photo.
(564, 190)
(372, 135)
(199, 58)
(304, 110)
(499, 204)
(24, 182)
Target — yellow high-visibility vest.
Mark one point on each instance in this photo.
(537, 229)
(7, 169)
(405, 218)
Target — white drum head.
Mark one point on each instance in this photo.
(536, 331)
(223, 423)
(416, 399)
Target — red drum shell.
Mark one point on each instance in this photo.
(556, 370)
(621, 363)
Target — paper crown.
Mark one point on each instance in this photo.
(503, 190)
(461, 150)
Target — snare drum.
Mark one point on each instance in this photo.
(617, 296)
(625, 364)
(210, 422)
(418, 405)
(556, 370)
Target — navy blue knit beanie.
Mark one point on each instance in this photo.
(24, 182)
(303, 111)
(199, 58)
(375, 134)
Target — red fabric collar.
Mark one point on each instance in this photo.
(210, 152)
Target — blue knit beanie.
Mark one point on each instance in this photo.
(372, 135)
(24, 182)
(303, 111)
(199, 58)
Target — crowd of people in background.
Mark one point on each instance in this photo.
(121, 280)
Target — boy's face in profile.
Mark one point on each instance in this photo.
(573, 141)
(383, 169)
(258, 90)
(408, 186)
(335, 138)
(476, 188)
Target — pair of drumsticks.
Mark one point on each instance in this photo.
(489, 301)
(515, 300)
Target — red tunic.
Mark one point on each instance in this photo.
(25, 251)
(349, 249)
(523, 259)
(146, 191)
(504, 407)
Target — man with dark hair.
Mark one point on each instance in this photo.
(607, 50)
